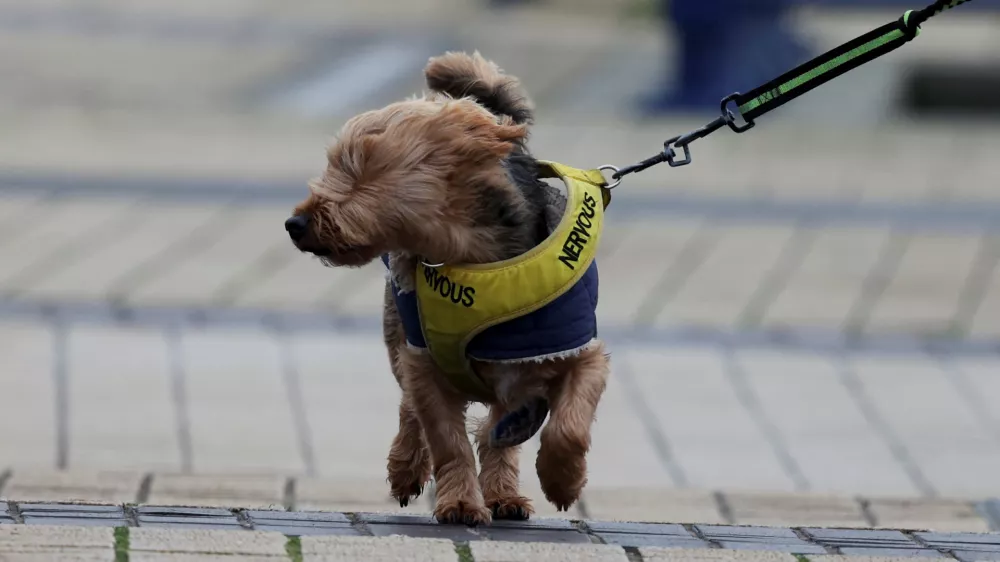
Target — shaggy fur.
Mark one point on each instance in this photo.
(447, 178)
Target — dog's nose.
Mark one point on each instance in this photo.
(297, 226)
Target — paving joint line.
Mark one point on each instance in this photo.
(14, 511)
(179, 399)
(723, 507)
(747, 398)
(131, 515)
(977, 285)
(60, 376)
(866, 511)
(876, 283)
(651, 424)
(855, 388)
(924, 544)
(694, 531)
(358, 524)
(582, 526)
(974, 401)
(288, 495)
(696, 250)
(804, 535)
(5, 477)
(145, 487)
(243, 518)
(793, 254)
(292, 381)
(989, 509)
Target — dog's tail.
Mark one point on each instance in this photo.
(461, 75)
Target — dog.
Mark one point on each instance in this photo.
(446, 178)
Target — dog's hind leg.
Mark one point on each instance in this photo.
(499, 474)
(565, 440)
(441, 411)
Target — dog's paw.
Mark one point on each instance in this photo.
(407, 493)
(511, 509)
(463, 513)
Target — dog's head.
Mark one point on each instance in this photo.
(405, 177)
(419, 175)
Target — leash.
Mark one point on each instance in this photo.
(793, 84)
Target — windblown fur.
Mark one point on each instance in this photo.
(447, 178)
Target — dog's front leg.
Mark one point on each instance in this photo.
(562, 455)
(441, 411)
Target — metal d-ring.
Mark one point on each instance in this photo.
(616, 170)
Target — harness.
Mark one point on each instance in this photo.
(537, 306)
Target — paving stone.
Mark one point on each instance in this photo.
(954, 453)
(140, 432)
(208, 541)
(700, 414)
(189, 517)
(814, 402)
(377, 549)
(202, 276)
(975, 556)
(93, 276)
(224, 437)
(383, 525)
(629, 276)
(60, 555)
(719, 287)
(46, 485)
(298, 523)
(870, 542)
(184, 557)
(260, 492)
(750, 508)
(928, 514)
(72, 514)
(923, 295)
(858, 558)
(66, 222)
(966, 542)
(342, 453)
(38, 537)
(27, 374)
(822, 290)
(759, 538)
(516, 552)
(354, 495)
(653, 554)
(652, 505)
(644, 534)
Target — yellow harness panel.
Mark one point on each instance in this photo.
(457, 302)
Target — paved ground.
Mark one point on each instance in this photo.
(49, 531)
(812, 306)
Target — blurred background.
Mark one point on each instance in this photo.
(813, 306)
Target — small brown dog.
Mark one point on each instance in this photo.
(446, 179)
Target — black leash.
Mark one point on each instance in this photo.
(795, 83)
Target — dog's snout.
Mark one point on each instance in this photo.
(297, 226)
